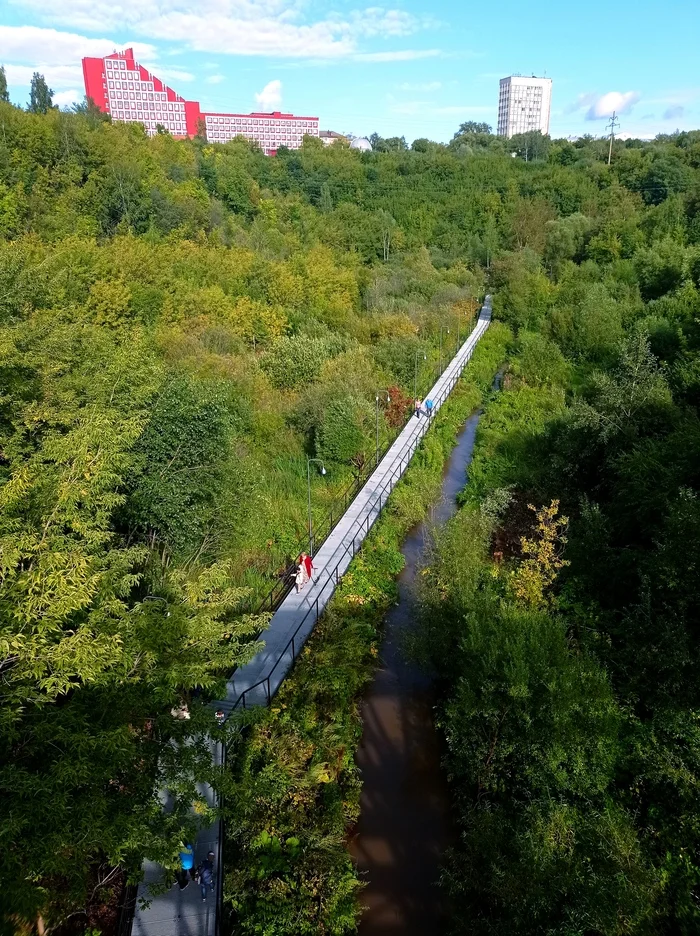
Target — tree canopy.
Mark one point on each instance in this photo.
(40, 95)
(181, 326)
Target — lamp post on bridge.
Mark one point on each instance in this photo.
(415, 373)
(308, 487)
(376, 400)
(442, 328)
(459, 328)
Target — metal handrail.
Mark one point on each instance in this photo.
(127, 910)
(284, 584)
(411, 444)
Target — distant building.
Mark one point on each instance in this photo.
(523, 105)
(362, 144)
(330, 136)
(121, 87)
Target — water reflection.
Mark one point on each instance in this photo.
(404, 824)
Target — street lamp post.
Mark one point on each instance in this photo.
(376, 400)
(459, 328)
(415, 374)
(442, 328)
(308, 487)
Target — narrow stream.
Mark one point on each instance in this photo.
(404, 824)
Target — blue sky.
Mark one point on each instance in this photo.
(413, 68)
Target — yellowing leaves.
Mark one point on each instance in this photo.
(355, 599)
(542, 552)
(109, 302)
(254, 319)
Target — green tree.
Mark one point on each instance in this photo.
(474, 126)
(530, 146)
(4, 93)
(40, 95)
(423, 145)
(343, 432)
(98, 639)
(396, 144)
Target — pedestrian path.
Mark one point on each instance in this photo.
(257, 681)
(183, 913)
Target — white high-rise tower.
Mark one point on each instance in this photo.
(523, 105)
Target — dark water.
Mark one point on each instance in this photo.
(404, 824)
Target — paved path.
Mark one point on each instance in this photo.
(182, 913)
(256, 682)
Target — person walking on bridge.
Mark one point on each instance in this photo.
(300, 577)
(309, 566)
(186, 870)
(205, 875)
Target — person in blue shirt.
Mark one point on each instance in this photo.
(186, 871)
(429, 407)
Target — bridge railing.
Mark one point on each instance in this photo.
(320, 533)
(361, 526)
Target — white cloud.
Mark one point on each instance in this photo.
(57, 76)
(23, 43)
(613, 101)
(427, 86)
(402, 55)
(270, 98)
(57, 55)
(377, 22)
(66, 98)
(583, 100)
(215, 79)
(239, 27)
(175, 75)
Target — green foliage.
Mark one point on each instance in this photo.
(4, 94)
(660, 268)
(565, 240)
(531, 145)
(40, 96)
(180, 324)
(179, 462)
(295, 360)
(295, 786)
(343, 431)
(568, 713)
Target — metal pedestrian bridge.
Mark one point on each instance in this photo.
(184, 913)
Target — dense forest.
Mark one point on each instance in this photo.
(183, 325)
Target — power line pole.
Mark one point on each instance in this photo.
(614, 122)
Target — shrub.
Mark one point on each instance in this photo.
(343, 431)
(293, 361)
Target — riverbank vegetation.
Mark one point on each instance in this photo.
(295, 788)
(559, 609)
(181, 326)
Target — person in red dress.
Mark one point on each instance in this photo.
(308, 564)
